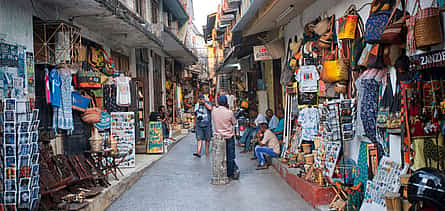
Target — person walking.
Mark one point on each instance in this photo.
(223, 122)
(203, 125)
(164, 119)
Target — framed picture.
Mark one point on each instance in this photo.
(10, 127)
(34, 126)
(35, 114)
(22, 117)
(35, 181)
(24, 126)
(35, 193)
(10, 185)
(10, 162)
(34, 148)
(35, 170)
(24, 184)
(9, 116)
(10, 173)
(24, 149)
(10, 150)
(10, 104)
(35, 158)
(24, 138)
(24, 199)
(22, 107)
(10, 197)
(24, 160)
(34, 137)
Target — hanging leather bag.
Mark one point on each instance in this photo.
(326, 39)
(323, 26)
(395, 31)
(378, 18)
(428, 30)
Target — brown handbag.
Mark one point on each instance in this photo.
(323, 26)
(326, 39)
(428, 30)
(91, 114)
(395, 32)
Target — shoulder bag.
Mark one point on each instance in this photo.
(347, 25)
(395, 32)
(92, 114)
(377, 20)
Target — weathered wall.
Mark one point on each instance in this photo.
(16, 22)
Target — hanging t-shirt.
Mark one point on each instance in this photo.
(309, 119)
(56, 86)
(307, 78)
(123, 91)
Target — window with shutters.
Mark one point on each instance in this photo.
(154, 11)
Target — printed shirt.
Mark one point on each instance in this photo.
(271, 141)
(201, 111)
(309, 118)
(223, 121)
(307, 78)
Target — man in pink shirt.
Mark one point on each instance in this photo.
(223, 122)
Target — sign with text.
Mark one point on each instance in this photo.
(261, 53)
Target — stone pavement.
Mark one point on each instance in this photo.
(179, 181)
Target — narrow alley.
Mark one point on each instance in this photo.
(180, 181)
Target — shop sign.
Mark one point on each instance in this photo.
(261, 53)
(429, 60)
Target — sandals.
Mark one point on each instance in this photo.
(265, 166)
(197, 155)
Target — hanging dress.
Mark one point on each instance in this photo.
(63, 116)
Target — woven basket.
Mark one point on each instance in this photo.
(428, 30)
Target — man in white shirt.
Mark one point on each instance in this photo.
(231, 100)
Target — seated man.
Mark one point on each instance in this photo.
(269, 145)
(253, 129)
(280, 128)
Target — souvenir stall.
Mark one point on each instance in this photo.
(89, 111)
(19, 118)
(364, 104)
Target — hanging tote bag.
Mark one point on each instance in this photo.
(88, 79)
(428, 30)
(91, 114)
(395, 31)
(378, 18)
(80, 103)
(334, 68)
(347, 25)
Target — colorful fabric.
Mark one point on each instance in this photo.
(369, 107)
(110, 99)
(63, 116)
(362, 164)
